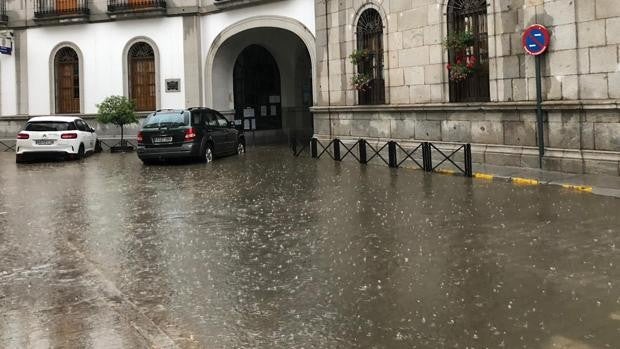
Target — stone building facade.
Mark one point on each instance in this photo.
(581, 79)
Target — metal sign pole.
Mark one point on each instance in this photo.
(535, 40)
(539, 113)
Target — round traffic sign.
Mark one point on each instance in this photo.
(536, 39)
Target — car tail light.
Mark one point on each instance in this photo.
(69, 136)
(23, 136)
(190, 134)
(140, 138)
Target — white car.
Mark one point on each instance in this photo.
(68, 136)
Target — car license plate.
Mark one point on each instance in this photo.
(44, 141)
(162, 139)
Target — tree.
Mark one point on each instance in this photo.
(117, 110)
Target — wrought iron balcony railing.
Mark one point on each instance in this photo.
(3, 17)
(60, 8)
(135, 5)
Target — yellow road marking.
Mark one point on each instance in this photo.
(483, 176)
(525, 181)
(448, 172)
(583, 188)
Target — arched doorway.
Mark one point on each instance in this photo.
(291, 48)
(142, 84)
(67, 81)
(256, 85)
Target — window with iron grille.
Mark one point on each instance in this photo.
(370, 42)
(470, 16)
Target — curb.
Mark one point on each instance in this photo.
(531, 181)
(520, 181)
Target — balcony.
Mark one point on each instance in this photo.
(131, 8)
(3, 17)
(61, 11)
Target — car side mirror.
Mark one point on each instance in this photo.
(231, 124)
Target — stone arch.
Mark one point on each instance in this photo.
(279, 22)
(125, 60)
(52, 75)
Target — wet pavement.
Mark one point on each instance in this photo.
(269, 251)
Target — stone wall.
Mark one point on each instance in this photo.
(582, 62)
(577, 140)
(581, 82)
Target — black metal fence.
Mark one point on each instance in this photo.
(54, 8)
(421, 156)
(3, 16)
(131, 5)
(8, 145)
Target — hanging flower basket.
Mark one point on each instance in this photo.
(361, 82)
(459, 40)
(463, 68)
(359, 56)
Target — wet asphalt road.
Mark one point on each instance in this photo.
(268, 251)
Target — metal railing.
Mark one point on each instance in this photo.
(57, 8)
(3, 17)
(7, 145)
(421, 156)
(135, 5)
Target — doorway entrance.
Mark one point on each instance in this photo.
(257, 90)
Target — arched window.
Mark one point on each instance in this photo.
(370, 44)
(470, 17)
(142, 86)
(67, 81)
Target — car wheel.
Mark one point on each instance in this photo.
(80, 153)
(240, 148)
(19, 158)
(148, 162)
(207, 154)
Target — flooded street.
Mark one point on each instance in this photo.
(271, 251)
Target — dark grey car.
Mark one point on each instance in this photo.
(199, 133)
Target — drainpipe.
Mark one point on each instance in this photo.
(329, 98)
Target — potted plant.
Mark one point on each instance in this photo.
(462, 68)
(120, 111)
(360, 81)
(358, 57)
(458, 40)
(464, 64)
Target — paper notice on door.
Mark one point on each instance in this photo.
(263, 110)
(248, 112)
(274, 99)
(274, 110)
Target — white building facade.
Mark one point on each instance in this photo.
(162, 54)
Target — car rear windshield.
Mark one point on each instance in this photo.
(48, 126)
(167, 119)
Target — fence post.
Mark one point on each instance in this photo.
(313, 148)
(337, 150)
(427, 160)
(468, 161)
(362, 148)
(293, 144)
(392, 154)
